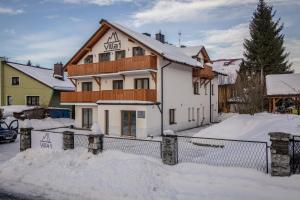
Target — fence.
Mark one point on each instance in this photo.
(294, 151)
(128, 145)
(223, 152)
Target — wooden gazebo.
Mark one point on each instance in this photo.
(282, 86)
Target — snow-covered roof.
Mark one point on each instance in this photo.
(230, 67)
(166, 50)
(192, 50)
(45, 76)
(283, 84)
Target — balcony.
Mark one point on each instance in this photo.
(204, 73)
(94, 96)
(124, 64)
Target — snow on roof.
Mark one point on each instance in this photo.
(45, 76)
(166, 50)
(192, 50)
(227, 66)
(283, 84)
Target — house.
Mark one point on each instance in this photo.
(135, 85)
(33, 86)
(281, 87)
(227, 92)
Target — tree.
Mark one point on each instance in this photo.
(264, 50)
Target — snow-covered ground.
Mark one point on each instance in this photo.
(253, 127)
(78, 174)
(9, 150)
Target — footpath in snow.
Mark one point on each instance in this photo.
(253, 127)
(78, 174)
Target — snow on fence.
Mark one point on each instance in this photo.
(219, 152)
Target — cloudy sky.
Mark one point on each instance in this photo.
(47, 31)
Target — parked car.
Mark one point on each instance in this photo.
(9, 133)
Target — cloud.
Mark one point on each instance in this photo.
(223, 43)
(184, 10)
(97, 2)
(293, 46)
(45, 47)
(10, 11)
(75, 19)
(52, 16)
(10, 31)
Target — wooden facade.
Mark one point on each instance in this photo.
(124, 64)
(203, 73)
(94, 96)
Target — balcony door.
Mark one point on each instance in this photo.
(128, 123)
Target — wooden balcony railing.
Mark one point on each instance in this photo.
(124, 64)
(94, 96)
(205, 73)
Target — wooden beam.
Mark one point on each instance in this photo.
(98, 81)
(206, 82)
(274, 104)
(154, 76)
(202, 81)
(74, 82)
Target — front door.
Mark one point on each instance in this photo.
(128, 123)
(87, 117)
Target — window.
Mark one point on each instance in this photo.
(189, 114)
(9, 100)
(88, 59)
(87, 86)
(104, 57)
(87, 117)
(141, 83)
(138, 51)
(15, 80)
(196, 88)
(117, 84)
(172, 116)
(205, 88)
(120, 54)
(193, 114)
(33, 100)
(212, 89)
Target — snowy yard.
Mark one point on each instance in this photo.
(256, 127)
(78, 174)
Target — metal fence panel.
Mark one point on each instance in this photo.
(223, 152)
(294, 148)
(135, 146)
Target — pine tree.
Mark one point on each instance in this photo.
(29, 63)
(265, 47)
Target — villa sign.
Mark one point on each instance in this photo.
(46, 140)
(113, 43)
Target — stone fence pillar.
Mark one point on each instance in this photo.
(25, 138)
(68, 139)
(280, 158)
(95, 143)
(169, 149)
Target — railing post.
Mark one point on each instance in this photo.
(95, 139)
(169, 148)
(280, 158)
(25, 135)
(68, 139)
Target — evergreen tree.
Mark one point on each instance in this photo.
(265, 47)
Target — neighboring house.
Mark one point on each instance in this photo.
(227, 92)
(33, 86)
(134, 85)
(282, 87)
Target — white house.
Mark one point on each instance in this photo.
(135, 85)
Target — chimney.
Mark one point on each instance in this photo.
(160, 37)
(147, 34)
(58, 71)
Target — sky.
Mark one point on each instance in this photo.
(50, 31)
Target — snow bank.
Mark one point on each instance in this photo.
(256, 127)
(114, 175)
(9, 110)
